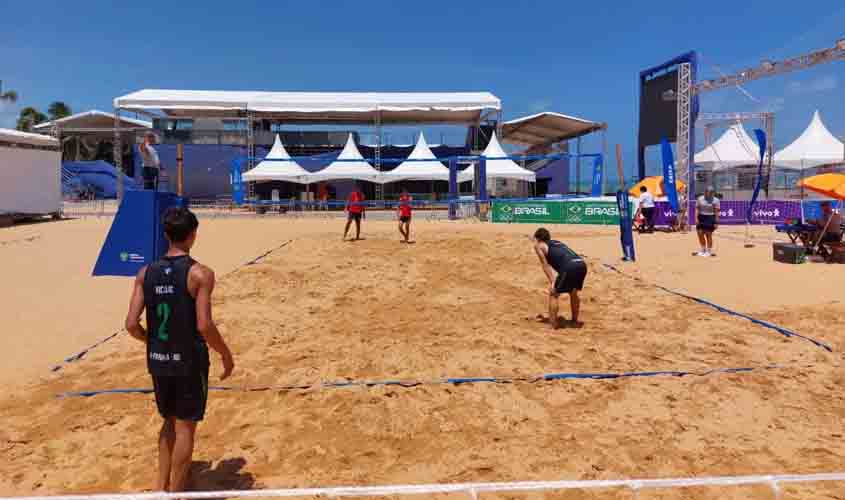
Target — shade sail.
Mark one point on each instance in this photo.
(278, 166)
(831, 185)
(349, 165)
(350, 107)
(655, 186)
(423, 166)
(735, 148)
(546, 128)
(504, 168)
(813, 148)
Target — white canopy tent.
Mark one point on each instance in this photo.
(735, 148)
(423, 166)
(504, 168)
(280, 167)
(351, 166)
(813, 148)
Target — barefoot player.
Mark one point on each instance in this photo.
(403, 212)
(176, 293)
(354, 211)
(565, 270)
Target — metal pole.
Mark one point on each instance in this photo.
(118, 156)
(604, 157)
(578, 166)
(180, 179)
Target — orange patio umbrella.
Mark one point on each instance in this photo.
(654, 184)
(831, 185)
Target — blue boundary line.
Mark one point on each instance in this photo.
(781, 330)
(445, 381)
(80, 355)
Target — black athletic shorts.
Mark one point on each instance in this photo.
(648, 213)
(831, 238)
(572, 278)
(706, 223)
(182, 397)
(405, 218)
(150, 176)
(355, 217)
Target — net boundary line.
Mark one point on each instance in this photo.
(779, 329)
(473, 489)
(81, 354)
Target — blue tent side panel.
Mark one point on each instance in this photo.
(99, 176)
(136, 237)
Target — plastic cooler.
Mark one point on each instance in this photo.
(788, 253)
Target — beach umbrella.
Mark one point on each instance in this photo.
(654, 184)
(831, 185)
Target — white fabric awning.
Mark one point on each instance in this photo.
(457, 107)
(813, 148)
(93, 120)
(735, 148)
(16, 137)
(280, 168)
(353, 167)
(543, 129)
(505, 168)
(424, 167)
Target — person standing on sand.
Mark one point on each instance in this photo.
(566, 271)
(355, 211)
(176, 293)
(403, 212)
(706, 221)
(150, 161)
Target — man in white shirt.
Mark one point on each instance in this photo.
(646, 208)
(151, 164)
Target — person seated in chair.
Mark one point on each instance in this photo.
(829, 225)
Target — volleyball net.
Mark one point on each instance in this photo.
(476, 491)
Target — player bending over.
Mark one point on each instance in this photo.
(176, 293)
(565, 270)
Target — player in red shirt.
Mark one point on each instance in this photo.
(403, 211)
(355, 211)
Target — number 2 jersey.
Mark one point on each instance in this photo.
(174, 344)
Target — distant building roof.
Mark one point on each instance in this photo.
(92, 121)
(546, 128)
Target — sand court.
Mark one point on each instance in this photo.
(462, 302)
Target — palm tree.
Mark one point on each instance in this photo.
(58, 110)
(8, 96)
(28, 118)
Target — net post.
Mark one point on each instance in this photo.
(482, 188)
(453, 188)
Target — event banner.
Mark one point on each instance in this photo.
(539, 212)
(734, 212)
(557, 212)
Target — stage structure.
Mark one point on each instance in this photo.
(656, 84)
(247, 112)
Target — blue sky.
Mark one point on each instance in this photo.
(578, 58)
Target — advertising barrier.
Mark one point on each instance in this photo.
(557, 212)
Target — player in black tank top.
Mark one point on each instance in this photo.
(565, 270)
(176, 293)
(174, 345)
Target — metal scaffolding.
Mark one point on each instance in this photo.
(682, 164)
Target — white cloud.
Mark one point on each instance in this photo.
(823, 84)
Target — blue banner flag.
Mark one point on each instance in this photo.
(626, 231)
(669, 186)
(236, 179)
(761, 141)
(598, 174)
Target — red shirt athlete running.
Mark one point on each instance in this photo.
(355, 211)
(404, 212)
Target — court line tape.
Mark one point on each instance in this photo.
(781, 330)
(78, 356)
(774, 481)
(455, 381)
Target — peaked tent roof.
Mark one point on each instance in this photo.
(424, 167)
(504, 168)
(93, 120)
(16, 137)
(280, 167)
(813, 148)
(734, 148)
(349, 165)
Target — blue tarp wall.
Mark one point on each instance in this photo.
(99, 177)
